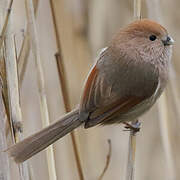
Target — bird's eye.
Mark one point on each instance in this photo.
(152, 37)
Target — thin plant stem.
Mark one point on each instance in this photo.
(137, 9)
(62, 78)
(13, 96)
(23, 57)
(108, 158)
(40, 82)
(3, 32)
(67, 108)
(5, 172)
(15, 47)
(131, 156)
(25, 50)
(132, 138)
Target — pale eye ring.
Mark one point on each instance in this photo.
(152, 37)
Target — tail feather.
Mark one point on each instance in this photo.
(40, 140)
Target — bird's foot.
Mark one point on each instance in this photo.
(135, 127)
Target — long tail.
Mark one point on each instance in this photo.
(40, 140)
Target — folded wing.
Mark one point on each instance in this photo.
(110, 94)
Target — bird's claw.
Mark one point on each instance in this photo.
(135, 127)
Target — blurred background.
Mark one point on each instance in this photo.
(83, 28)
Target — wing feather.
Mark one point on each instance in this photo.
(106, 115)
(109, 95)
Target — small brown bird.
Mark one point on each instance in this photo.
(128, 77)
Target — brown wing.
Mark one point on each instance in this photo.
(110, 114)
(87, 100)
(106, 97)
(100, 102)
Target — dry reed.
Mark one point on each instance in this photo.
(40, 82)
(62, 78)
(5, 172)
(108, 158)
(13, 94)
(3, 32)
(25, 50)
(132, 138)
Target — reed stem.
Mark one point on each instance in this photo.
(40, 82)
(132, 138)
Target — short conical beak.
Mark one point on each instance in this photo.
(168, 41)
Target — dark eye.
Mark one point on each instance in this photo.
(152, 37)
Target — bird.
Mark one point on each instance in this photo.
(128, 77)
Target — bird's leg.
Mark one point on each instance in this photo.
(135, 126)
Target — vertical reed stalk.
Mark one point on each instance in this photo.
(108, 158)
(137, 9)
(3, 15)
(132, 138)
(3, 32)
(5, 172)
(67, 108)
(25, 49)
(13, 94)
(131, 156)
(62, 78)
(41, 82)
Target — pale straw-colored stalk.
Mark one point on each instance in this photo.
(3, 32)
(62, 78)
(132, 137)
(5, 172)
(13, 94)
(25, 49)
(40, 82)
(108, 159)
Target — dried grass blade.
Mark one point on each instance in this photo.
(13, 95)
(62, 78)
(40, 82)
(132, 138)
